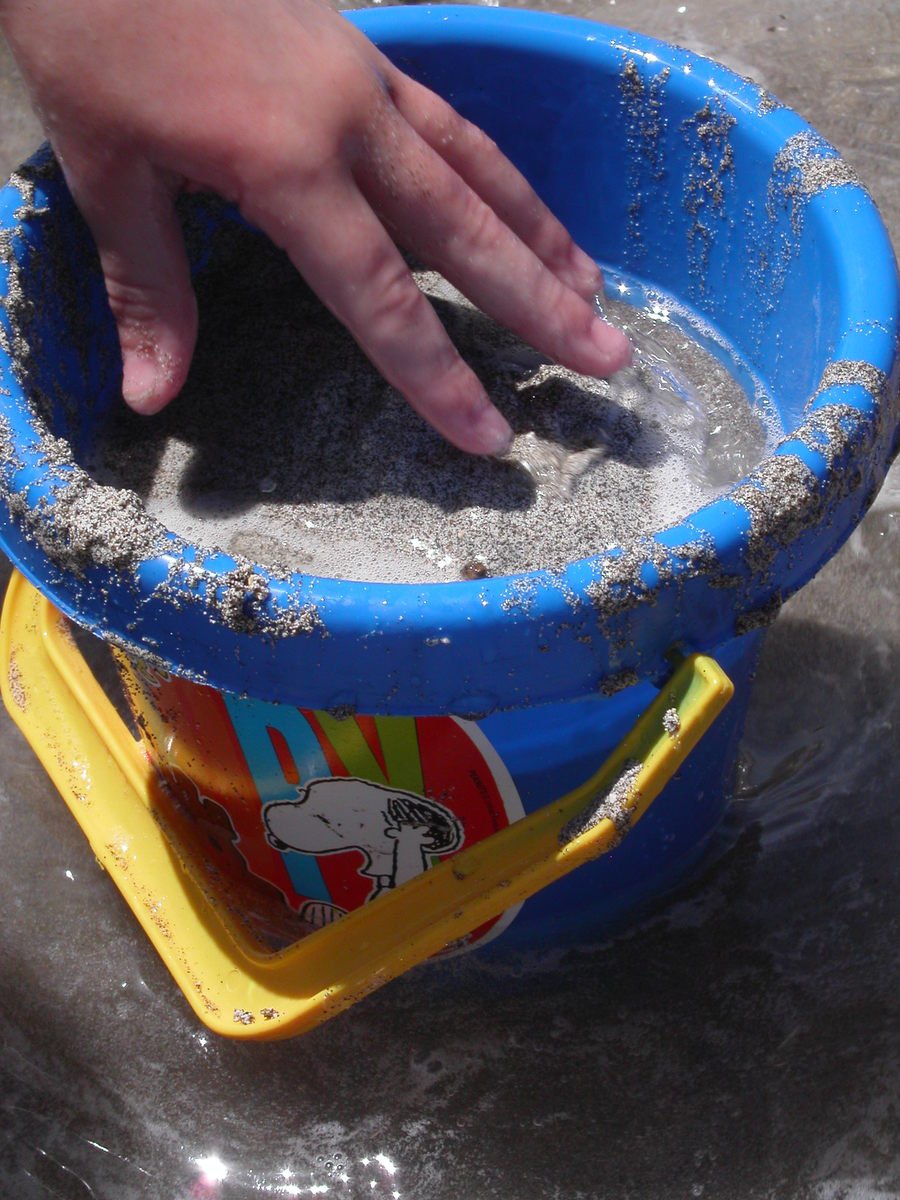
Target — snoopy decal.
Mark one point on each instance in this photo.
(397, 832)
(296, 812)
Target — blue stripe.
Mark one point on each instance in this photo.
(251, 720)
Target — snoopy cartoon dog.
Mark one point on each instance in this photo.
(397, 832)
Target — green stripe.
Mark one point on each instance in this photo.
(352, 748)
(400, 745)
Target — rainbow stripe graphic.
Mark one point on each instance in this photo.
(259, 782)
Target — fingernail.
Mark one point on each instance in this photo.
(614, 345)
(493, 433)
(141, 378)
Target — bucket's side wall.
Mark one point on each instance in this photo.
(289, 815)
(59, 331)
(64, 351)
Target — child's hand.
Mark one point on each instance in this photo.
(286, 109)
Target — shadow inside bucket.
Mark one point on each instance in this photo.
(281, 402)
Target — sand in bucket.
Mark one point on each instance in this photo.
(287, 448)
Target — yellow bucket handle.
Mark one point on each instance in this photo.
(238, 990)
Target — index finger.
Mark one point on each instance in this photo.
(345, 254)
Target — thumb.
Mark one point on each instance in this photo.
(128, 206)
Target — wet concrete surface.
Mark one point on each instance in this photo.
(745, 1043)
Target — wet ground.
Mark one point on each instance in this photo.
(743, 1044)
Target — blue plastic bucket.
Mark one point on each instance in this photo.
(742, 212)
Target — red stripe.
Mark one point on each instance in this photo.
(335, 764)
(283, 754)
(369, 731)
(220, 770)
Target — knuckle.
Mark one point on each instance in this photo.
(549, 238)
(398, 302)
(571, 320)
(456, 389)
(459, 383)
(478, 228)
(133, 304)
(561, 254)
